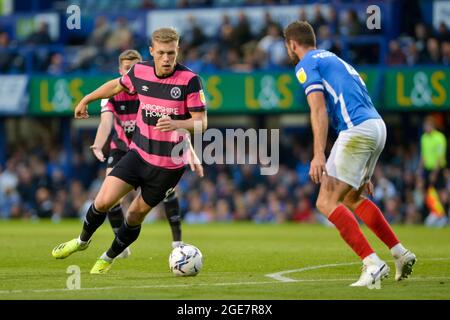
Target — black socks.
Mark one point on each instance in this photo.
(115, 217)
(172, 210)
(125, 236)
(93, 220)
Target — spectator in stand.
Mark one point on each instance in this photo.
(223, 211)
(445, 53)
(333, 24)
(8, 177)
(121, 38)
(196, 214)
(212, 61)
(420, 37)
(325, 40)
(384, 188)
(10, 204)
(78, 196)
(318, 18)
(240, 211)
(350, 26)
(225, 35)
(391, 210)
(241, 33)
(62, 207)
(302, 14)
(276, 208)
(433, 55)
(193, 35)
(44, 204)
(56, 66)
(41, 36)
(272, 44)
(412, 56)
(95, 44)
(263, 215)
(100, 33)
(268, 22)
(235, 62)
(6, 56)
(193, 61)
(443, 34)
(303, 211)
(395, 55)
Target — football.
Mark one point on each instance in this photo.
(186, 260)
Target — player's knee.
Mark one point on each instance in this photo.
(135, 217)
(325, 205)
(102, 205)
(322, 205)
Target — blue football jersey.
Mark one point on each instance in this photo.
(347, 99)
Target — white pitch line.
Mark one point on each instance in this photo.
(279, 276)
(276, 276)
(134, 287)
(155, 286)
(163, 286)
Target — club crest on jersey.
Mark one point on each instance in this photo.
(122, 107)
(301, 75)
(175, 92)
(145, 88)
(202, 97)
(129, 126)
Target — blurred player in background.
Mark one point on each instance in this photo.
(334, 88)
(433, 161)
(171, 98)
(120, 112)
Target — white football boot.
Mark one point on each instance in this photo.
(404, 264)
(372, 275)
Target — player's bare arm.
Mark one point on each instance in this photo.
(103, 132)
(319, 123)
(194, 161)
(167, 124)
(107, 90)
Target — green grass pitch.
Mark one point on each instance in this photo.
(237, 259)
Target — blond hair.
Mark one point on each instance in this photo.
(165, 35)
(129, 55)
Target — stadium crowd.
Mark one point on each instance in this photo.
(37, 183)
(235, 45)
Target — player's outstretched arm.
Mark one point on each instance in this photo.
(107, 90)
(103, 132)
(197, 120)
(319, 123)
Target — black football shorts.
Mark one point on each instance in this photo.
(153, 181)
(114, 157)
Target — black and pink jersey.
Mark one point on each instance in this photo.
(125, 107)
(175, 95)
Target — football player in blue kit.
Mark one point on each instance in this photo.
(335, 90)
